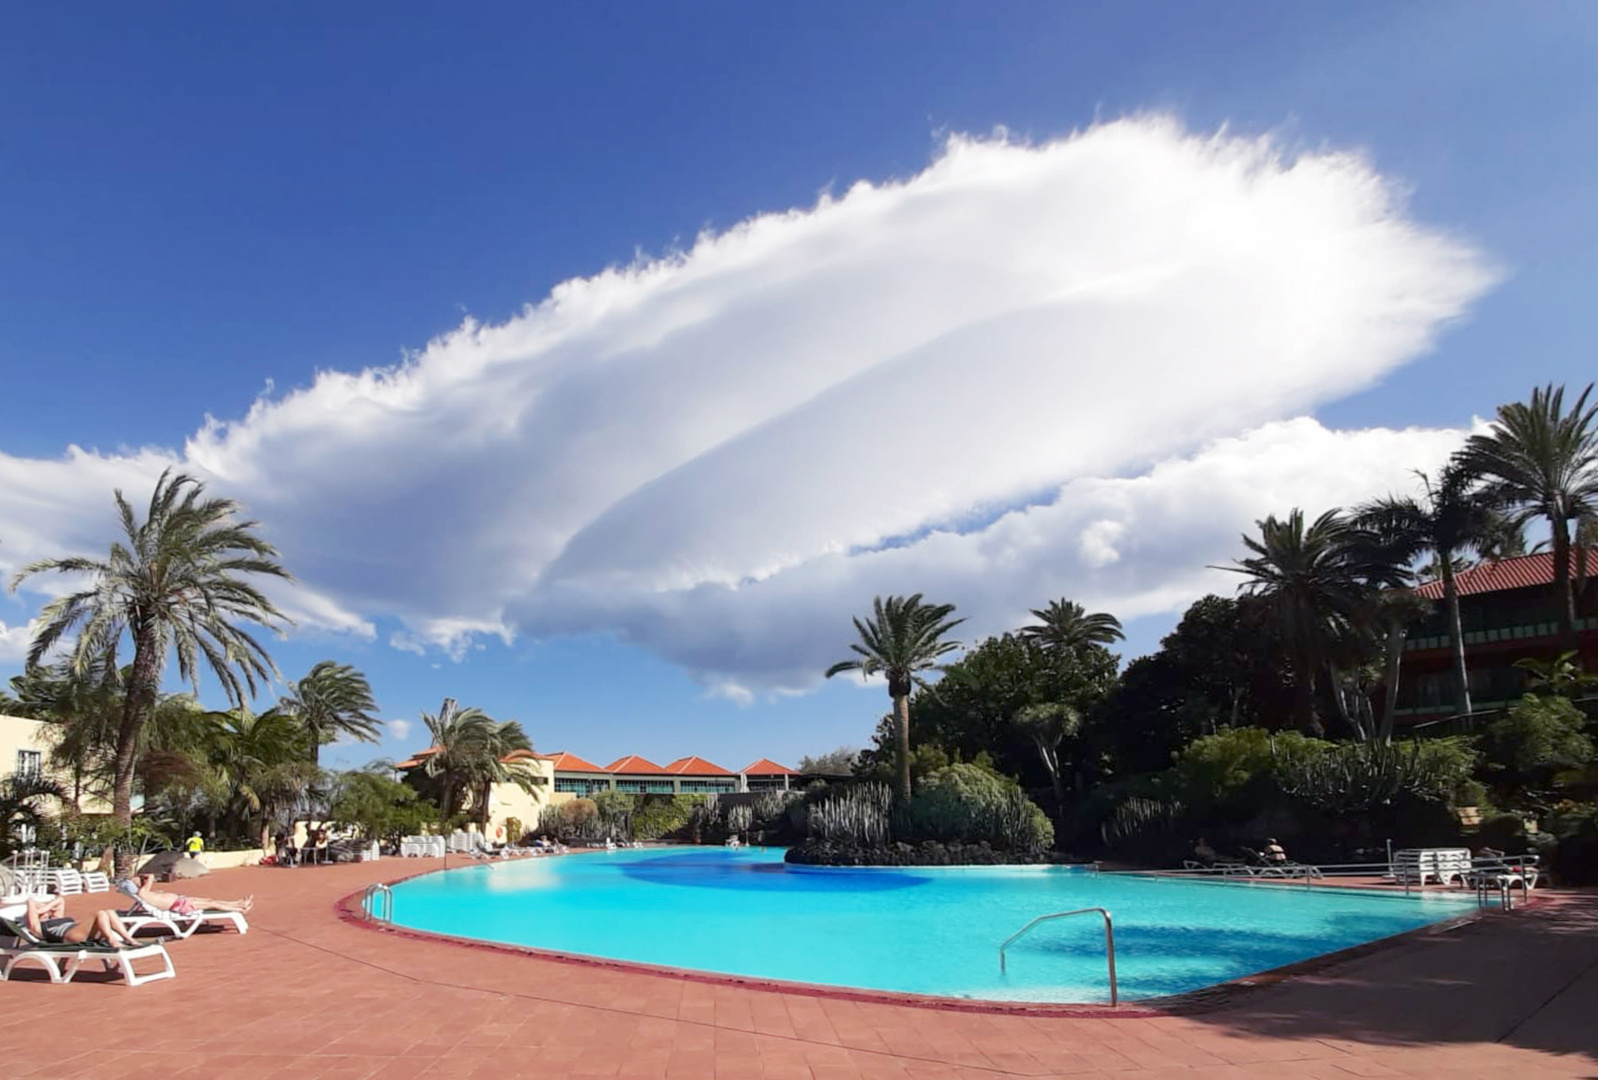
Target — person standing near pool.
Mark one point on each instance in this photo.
(195, 846)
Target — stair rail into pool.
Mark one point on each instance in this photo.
(369, 902)
(1109, 942)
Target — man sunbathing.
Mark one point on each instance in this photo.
(47, 920)
(143, 888)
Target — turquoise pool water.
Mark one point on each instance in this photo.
(915, 931)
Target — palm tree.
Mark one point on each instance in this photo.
(1544, 460)
(1066, 626)
(469, 756)
(501, 762)
(264, 763)
(175, 584)
(1453, 520)
(21, 803)
(332, 700)
(1048, 724)
(903, 638)
(1313, 587)
(1397, 610)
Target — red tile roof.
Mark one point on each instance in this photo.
(633, 764)
(565, 762)
(416, 758)
(1521, 572)
(696, 766)
(767, 767)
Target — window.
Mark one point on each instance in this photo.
(29, 763)
(768, 783)
(582, 785)
(709, 787)
(645, 787)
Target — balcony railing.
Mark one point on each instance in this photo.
(1504, 634)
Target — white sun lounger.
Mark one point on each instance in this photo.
(142, 917)
(62, 961)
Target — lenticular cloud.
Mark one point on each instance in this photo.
(722, 454)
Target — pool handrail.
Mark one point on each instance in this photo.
(369, 902)
(1109, 942)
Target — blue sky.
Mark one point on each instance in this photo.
(199, 204)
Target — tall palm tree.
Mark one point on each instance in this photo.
(469, 757)
(176, 583)
(1313, 586)
(1066, 626)
(903, 638)
(332, 700)
(1397, 610)
(1453, 519)
(497, 765)
(1543, 460)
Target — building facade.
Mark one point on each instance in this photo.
(1507, 613)
(25, 751)
(563, 776)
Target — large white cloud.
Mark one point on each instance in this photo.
(722, 454)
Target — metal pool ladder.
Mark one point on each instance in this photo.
(370, 902)
(1109, 941)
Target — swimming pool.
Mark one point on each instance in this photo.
(934, 931)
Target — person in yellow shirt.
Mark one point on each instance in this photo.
(195, 845)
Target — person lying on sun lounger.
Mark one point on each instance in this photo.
(48, 921)
(143, 888)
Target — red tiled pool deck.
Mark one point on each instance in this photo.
(307, 995)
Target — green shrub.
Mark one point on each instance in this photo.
(657, 817)
(1237, 765)
(1357, 777)
(615, 813)
(1530, 752)
(970, 803)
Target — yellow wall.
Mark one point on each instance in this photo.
(18, 733)
(510, 801)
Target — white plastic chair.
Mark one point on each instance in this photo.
(66, 882)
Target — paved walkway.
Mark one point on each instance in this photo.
(306, 995)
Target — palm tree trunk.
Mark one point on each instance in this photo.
(901, 724)
(1304, 701)
(1051, 763)
(1340, 698)
(1456, 637)
(142, 688)
(1395, 663)
(1566, 596)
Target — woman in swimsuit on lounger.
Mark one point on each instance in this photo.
(144, 888)
(48, 921)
